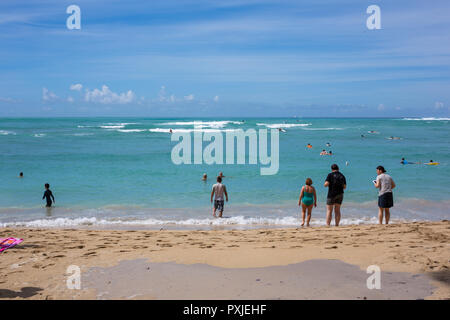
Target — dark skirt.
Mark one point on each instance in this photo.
(386, 200)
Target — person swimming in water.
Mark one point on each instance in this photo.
(323, 153)
(328, 144)
(309, 146)
(48, 195)
(330, 153)
(205, 177)
(407, 162)
(21, 175)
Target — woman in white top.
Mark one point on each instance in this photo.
(385, 183)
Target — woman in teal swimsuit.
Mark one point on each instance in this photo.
(307, 199)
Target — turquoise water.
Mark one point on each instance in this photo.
(119, 170)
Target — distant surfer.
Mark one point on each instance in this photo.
(432, 163)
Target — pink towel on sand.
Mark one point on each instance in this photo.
(7, 243)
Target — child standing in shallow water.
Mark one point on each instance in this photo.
(48, 195)
(307, 199)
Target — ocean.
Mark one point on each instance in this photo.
(118, 172)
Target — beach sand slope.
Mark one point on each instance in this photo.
(311, 263)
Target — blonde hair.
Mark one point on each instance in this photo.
(308, 181)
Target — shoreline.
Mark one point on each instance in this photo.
(243, 216)
(40, 262)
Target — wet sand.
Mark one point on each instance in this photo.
(304, 263)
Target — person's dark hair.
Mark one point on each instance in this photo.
(334, 166)
(47, 185)
(219, 179)
(308, 181)
(403, 158)
(21, 174)
(381, 168)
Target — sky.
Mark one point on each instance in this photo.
(236, 58)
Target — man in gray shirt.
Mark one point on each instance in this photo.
(385, 183)
(218, 190)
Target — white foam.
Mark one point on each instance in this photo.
(39, 135)
(289, 221)
(131, 130)
(427, 119)
(121, 123)
(82, 134)
(113, 127)
(323, 129)
(283, 125)
(202, 124)
(6, 132)
(190, 130)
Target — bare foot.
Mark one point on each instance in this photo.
(303, 223)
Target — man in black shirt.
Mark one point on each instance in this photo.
(48, 195)
(336, 184)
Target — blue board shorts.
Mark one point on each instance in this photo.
(218, 205)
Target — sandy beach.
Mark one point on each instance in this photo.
(304, 263)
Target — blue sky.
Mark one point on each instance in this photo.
(177, 58)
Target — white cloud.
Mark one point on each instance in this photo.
(438, 105)
(189, 97)
(76, 87)
(70, 99)
(48, 96)
(162, 93)
(106, 96)
(216, 99)
(10, 100)
(381, 107)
